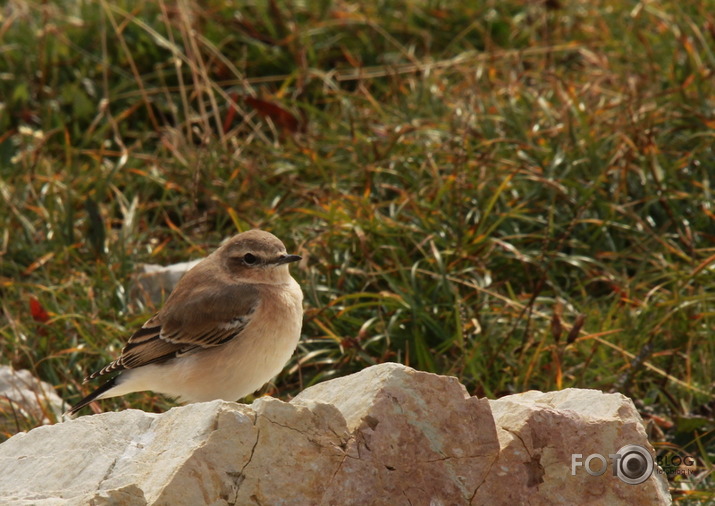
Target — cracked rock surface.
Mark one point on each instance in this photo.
(386, 435)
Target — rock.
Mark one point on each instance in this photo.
(23, 395)
(538, 434)
(386, 435)
(412, 436)
(152, 283)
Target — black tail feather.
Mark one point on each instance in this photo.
(99, 391)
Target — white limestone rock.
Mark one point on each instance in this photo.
(23, 395)
(539, 433)
(152, 283)
(386, 435)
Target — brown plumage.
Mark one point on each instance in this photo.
(228, 327)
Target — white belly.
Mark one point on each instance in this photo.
(235, 369)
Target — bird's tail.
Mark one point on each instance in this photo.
(91, 397)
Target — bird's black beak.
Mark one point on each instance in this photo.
(286, 259)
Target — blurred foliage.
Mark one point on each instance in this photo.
(514, 193)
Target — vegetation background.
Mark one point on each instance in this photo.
(518, 193)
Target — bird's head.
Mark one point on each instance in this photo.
(256, 256)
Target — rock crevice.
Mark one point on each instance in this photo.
(386, 435)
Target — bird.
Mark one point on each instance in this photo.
(230, 325)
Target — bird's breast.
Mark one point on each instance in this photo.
(241, 366)
(265, 345)
(279, 315)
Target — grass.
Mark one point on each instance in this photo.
(518, 194)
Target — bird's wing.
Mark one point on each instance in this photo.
(203, 316)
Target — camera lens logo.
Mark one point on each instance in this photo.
(633, 464)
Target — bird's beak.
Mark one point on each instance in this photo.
(286, 259)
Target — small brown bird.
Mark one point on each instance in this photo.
(228, 327)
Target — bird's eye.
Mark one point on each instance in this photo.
(249, 259)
